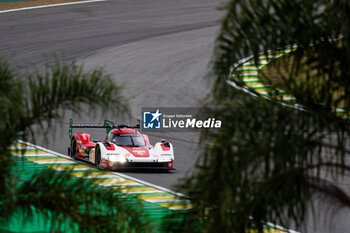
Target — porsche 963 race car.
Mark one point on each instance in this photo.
(124, 147)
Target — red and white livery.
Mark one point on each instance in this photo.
(124, 147)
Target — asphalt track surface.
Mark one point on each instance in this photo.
(158, 49)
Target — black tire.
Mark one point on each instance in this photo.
(97, 156)
(73, 149)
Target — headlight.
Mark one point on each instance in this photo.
(117, 158)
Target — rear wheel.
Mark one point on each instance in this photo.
(73, 149)
(97, 156)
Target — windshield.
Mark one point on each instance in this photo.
(127, 139)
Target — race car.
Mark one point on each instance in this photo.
(124, 147)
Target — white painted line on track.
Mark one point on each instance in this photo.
(95, 176)
(250, 73)
(136, 192)
(253, 63)
(80, 169)
(50, 5)
(256, 86)
(247, 68)
(21, 147)
(121, 184)
(289, 98)
(164, 200)
(34, 155)
(179, 208)
(52, 162)
(251, 79)
(281, 228)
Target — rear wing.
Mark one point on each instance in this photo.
(108, 125)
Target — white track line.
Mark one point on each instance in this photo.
(121, 184)
(163, 200)
(80, 169)
(21, 148)
(50, 5)
(52, 162)
(179, 208)
(139, 192)
(34, 155)
(95, 176)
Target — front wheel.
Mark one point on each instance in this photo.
(73, 149)
(97, 156)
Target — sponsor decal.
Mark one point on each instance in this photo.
(81, 151)
(165, 154)
(92, 155)
(138, 152)
(112, 154)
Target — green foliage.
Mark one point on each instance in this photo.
(263, 166)
(84, 205)
(269, 161)
(40, 99)
(251, 27)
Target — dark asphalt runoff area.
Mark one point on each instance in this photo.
(159, 50)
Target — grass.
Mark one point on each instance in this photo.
(300, 76)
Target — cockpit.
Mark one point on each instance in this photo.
(132, 140)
